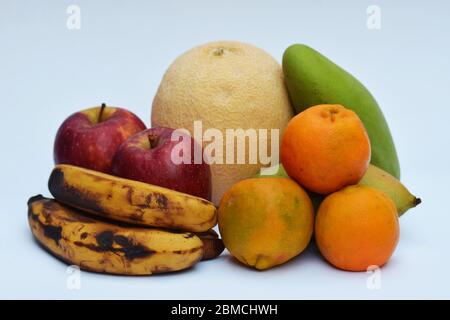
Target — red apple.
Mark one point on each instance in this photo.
(90, 138)
(147, 157)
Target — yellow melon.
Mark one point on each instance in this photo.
(226, 85)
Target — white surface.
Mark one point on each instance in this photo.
(119, 56)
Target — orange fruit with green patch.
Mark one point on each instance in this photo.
(265, 222)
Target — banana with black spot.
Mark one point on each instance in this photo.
(99, 246)
(130, 201)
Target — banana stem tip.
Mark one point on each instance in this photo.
(417, 201)
(35, 198)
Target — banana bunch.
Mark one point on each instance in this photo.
(103, 223)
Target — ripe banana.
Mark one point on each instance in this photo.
(212, 245)
(103, 247)
(381, 180)
(130, 201)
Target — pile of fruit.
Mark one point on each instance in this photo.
(123, 206)
(151, 216)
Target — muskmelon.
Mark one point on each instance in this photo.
(226, 85)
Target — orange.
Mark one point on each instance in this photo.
(265, 222)
(357, 227)
(325, 148)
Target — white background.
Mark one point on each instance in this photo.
(119, 55)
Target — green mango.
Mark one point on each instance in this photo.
(313, 79)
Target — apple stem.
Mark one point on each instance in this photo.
(100, 115)
(153, 140)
